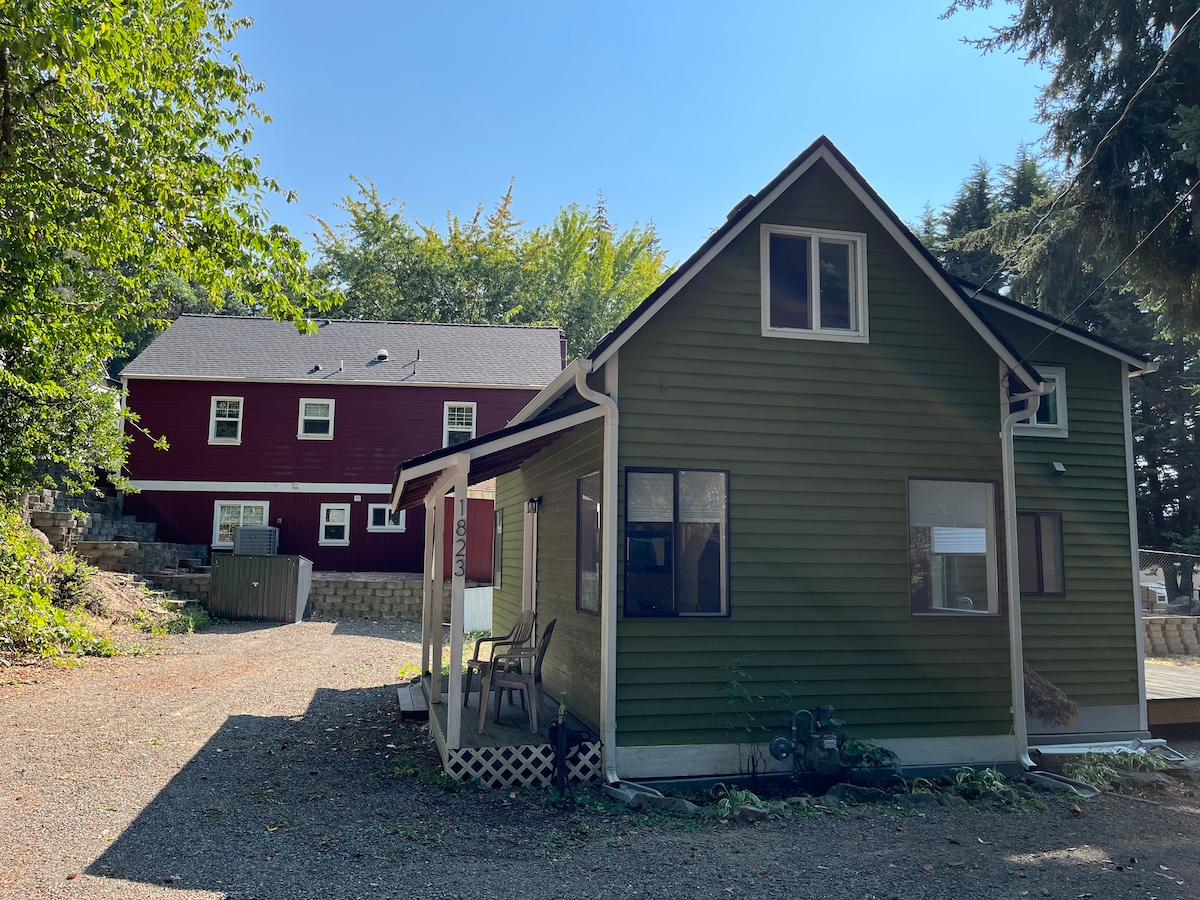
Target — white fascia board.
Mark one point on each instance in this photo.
(1070, 335)
(326, 382)
(263, 487)
(904, 240)
(493, 446)
(547, 395)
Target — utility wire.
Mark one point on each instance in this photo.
(1004, 263)
(1063, 321)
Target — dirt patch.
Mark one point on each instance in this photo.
(263, 763)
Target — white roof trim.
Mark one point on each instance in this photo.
(904, 240)
(495, 445)
(1051, 326)
(232, 379)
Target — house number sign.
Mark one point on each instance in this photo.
(460, 538)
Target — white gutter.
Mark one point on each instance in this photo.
(608, 602)
(1016, 650)
(548, 394)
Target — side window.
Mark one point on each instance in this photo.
(676, 543)
(458, 423)
(335, 525)
(952, 547)
(587, 543)
(813, 283)
(380, 518)
(1051, 417)
(225, 420)
(1040, 554)
(316, 420)
(227, 514)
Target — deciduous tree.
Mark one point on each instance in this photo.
(124, 132)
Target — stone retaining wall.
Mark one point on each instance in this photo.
(135, 557)
(185, 586)
(334, 595)
(373, 595)
(1172, 635)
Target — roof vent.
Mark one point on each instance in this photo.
(382, 355)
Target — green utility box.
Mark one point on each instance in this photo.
(260, 588)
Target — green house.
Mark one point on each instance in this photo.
(813, 468)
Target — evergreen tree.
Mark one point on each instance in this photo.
(1122, 109)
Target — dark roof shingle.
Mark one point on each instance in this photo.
(253, 349)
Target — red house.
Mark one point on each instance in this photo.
(268, 426)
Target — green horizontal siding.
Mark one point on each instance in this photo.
(572, 663)
(820, 439)
(1086, 642)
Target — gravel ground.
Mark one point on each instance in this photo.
(256, 763)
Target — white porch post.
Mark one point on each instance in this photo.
(428, 586)
(458, 583)
(434, 608)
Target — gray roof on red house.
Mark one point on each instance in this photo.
(252, 349)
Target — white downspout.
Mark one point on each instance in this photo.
(1009, 488)
(608, 603)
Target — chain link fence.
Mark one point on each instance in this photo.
(1169, 582)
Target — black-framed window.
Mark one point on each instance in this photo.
(1040, 554)
(587, 543)
(676, 542)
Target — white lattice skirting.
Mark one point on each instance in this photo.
(522, 765)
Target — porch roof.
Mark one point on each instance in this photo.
(490, 455)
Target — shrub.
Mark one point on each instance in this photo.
(40, 595)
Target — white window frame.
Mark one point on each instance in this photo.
(216, 529)
(388, 526)
(212, 420)
(858, 300)
(458, 404)
(300, 419)
(1057, 429)
(943, 602)
(321, 539)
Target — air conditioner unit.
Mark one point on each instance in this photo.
(255, 540)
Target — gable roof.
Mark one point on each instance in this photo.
(821, 150)
(232, 348)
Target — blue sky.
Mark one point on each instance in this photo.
(674, 110)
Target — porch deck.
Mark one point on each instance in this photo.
(506, 754)
(1172, 694)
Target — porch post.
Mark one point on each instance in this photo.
(458, 583)
(428, 585)
(434, 611)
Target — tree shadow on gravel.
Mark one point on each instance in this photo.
(317, 805)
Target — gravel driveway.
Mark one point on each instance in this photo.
(269, 762)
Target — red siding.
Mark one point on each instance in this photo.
(481, 519)
(375, 428)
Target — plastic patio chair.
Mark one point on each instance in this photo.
(516, 639)
(527, 679)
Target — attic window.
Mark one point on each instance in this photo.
(814, 283)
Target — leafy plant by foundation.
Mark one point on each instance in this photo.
(1103, 770)
(731, 799)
